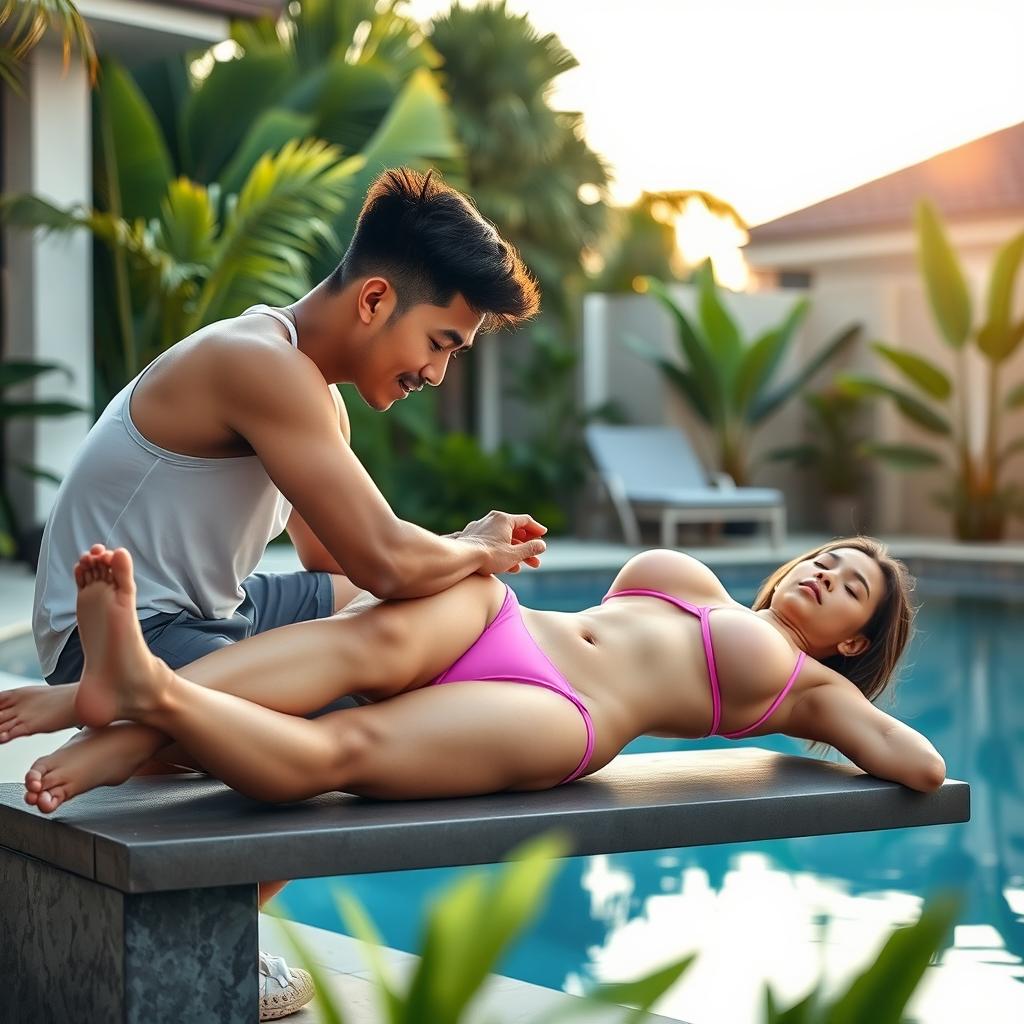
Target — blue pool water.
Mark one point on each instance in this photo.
(798, 909)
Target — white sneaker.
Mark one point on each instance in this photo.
(283, 989)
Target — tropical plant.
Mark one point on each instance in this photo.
(13, 374)
(474, 922)
(837, 449)
(192, 264)
(526, 164)
(219, 212)
(726, 379)
(465, 934)
(24, 22)
(976, 492)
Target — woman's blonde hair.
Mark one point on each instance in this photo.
(888, 630)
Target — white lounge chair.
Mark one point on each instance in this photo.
(653, 470)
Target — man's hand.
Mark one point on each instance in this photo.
(508, 541)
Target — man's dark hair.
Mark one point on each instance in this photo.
(431, 243)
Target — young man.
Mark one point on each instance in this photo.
(235, 433)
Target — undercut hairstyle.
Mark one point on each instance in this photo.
(431, 243)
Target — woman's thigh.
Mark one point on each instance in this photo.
(462, 739)
(377, 650)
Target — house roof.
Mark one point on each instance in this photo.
(234, 8)
(982, 177)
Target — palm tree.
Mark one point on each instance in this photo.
(525, 162)
(27, 22)
(177, 182)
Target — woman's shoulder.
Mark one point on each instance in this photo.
(672, 572)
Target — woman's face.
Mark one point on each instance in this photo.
(830, 598)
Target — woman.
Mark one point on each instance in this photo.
(667, 653)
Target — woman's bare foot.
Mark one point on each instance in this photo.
(121, 678)
(96, 757)
(33, 709)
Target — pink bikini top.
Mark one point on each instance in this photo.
(703, 612)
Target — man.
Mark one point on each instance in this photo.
(236, 433)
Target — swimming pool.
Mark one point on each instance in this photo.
(790, 910)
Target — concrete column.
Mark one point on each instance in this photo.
(594, 371)
(488, 394)
(48, 279)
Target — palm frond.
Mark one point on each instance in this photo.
(273, 228)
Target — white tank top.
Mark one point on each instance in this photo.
(195, 527)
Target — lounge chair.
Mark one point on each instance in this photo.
(654, 471)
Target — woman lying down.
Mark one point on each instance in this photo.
(468, 692)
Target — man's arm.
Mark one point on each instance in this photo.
(277, 401)
(308, 546)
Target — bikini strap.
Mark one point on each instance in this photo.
(693, 609)
(801, 658)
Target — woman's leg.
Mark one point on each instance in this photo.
(388, 647)
(450, 741)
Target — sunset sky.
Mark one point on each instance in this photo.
(776, 104)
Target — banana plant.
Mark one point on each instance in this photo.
(976, 492)
(726, 379)
(12, 374)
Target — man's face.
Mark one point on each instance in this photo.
(414, 350)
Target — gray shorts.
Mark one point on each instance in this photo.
(271, 600)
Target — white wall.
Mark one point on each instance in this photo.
(871, 279)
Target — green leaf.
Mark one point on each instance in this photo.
(903, 456)
(354, 100)
(221, 110)
(997, 339)
(761, 358)
(1015, 397)
(701, 365)
(15, 372)
(717, 325)
(188, 223)
(270, 131)
(944, 280)
(274, 227)
(919, 371)
(880, 994)
(472, 925)
(418, 132)
(358, 922)
(29, 409)
(142, 168)
(911, 407)
(38, 473)
(767, 404)
(27, 211)
(329, 1010)
(801, 454)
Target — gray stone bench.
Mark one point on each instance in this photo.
(138, 903)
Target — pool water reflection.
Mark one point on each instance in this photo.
(792, 910)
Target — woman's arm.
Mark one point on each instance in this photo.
(837, 713)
